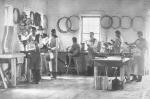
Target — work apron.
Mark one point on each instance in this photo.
(139, 65)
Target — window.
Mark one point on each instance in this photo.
(90, 24)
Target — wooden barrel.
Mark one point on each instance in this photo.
(98, 84)
(101, 83)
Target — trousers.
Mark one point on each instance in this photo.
(36, 75)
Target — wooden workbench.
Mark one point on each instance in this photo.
(12, 58)
(110, 61)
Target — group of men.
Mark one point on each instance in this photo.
(92, 44)
(34, 42)
(139, 48)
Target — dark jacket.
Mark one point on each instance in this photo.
(35, 59)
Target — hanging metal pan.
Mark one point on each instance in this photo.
(138, 23)
(74, 26)
(126, 22)
(116, 22)
(16, 15)
(106, 22)
(61, 25)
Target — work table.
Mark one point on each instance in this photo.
(12, 58)
(110, 61)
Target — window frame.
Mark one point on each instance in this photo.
(90, 16)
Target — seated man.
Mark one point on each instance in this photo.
(75, 48)
(74, 51)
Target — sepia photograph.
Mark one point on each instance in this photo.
(75, 49)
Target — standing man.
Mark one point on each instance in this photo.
(139, 52)
(92, 49)
(35, 56)
(117, 42)
(53, 51)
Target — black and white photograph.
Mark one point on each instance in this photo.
(74, 49)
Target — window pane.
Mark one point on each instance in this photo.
(91, 24)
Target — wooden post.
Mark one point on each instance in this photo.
(13, 71)
(56, 59)
(122, 72)
(95, 74)
(3, 78)
(26, 68)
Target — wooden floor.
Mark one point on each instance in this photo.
(73, 87)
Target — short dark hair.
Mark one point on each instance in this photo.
(140, 33)
(53, 31)
(33, 28)
(118, 32)
(44, 35)
(74, 39)
(92, 33)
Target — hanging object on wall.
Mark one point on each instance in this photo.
(138, 23)
(7, 42)
(45, 22)
(32, 17)
(74, 26)
(61, 25)
(16, 15)
(126, 22)
(37, 19)
(116, 22)
(106, 22)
